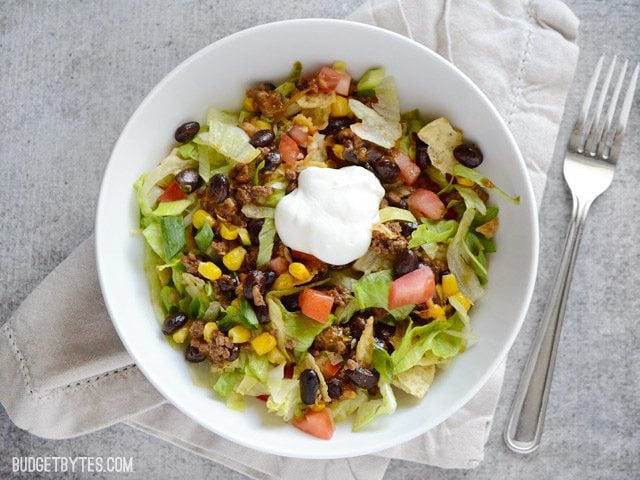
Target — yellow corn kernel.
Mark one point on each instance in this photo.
(340, 108)
(229, 232)
(466, 303)
(299, 271)
(260, 124)
(436, 311)
(200, 217)
(179, 336)
(449, 285)
(276, 356)
(263, 343)
(208, 330)
(239, 334)
(317, 407)
(248, 104)
(465, 182)
(348, 394)
(338, 150)
(284, 282)
(209, 270)
(235, 302)
(233, 260)
(340, 66)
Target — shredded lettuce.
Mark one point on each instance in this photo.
(374, 408)
(153, 236)
(251, 210)
(442, 138)
(266, 239)
(300, 328)
(146, 190)
(415, 343)
(151, 260)
(371, 262)
(171, 208)
(342, 409)
(244, 316)
(257, 366)
(226, 383)
(444, 344)
(374, 127)
(228, 139)
(476, 177)
(459, 260)
(373, 291)
(277, 322)
(433, 231)
(284, 393)
(389, 214)
(471, 199)
(251, 387)
(382, 362)
(288, 87)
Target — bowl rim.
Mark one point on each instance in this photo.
(532, 213)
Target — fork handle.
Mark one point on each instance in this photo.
(526, 418)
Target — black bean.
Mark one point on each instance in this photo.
(271, 161)
(173, 323)
(193, 355)
(269, 278)
(254, 225)
(235, 353)
(309, 384)
(255, 277)
(349, 155)
(262, 312)
(386, 170)
(334, 385)
(263, 138)
(468, 155)
(188, 180)
(407, 228)
(290, 302)
(356, 324)
(373, 155)
(219, 187)
(363, 377)
(186, 132)
(335, 125)
(383, 331)
(422, 156)
(227, 283)
(405, 262)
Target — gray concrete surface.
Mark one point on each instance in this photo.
(73, 72)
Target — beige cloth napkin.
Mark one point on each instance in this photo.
(64, 372)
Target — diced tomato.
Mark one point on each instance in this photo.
(315, 304)
(409, 171)
(288, 149)
(279, 265)
(264, 398)
(172, 193)
(288, 371)
(299, 136)
(319, 424)
(327, 368)
(330, 79)
(425, 203)
(413, 288)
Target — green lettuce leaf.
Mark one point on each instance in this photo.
(389, 214)
(374, 408)
(382, 362)
(476, 177)
(226, 383)
(228, 139)
(415, 343)
(471, 199)
(373, 291)
(342, 409)
(266, 239)
(153, 236)
(284, 393)
(204, 237)
(433, 231)
(459, 260)
(173, 237)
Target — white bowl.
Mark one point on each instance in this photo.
(218, 76)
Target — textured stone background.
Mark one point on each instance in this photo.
(73, 72)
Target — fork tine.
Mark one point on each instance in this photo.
(578, 134)
(594, 127)
(625, 110)
(605, 133)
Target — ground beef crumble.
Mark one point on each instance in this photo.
(248, 193)
(269, 103)
(219, 349)
(190, 263)
(332, 339)
(388, 247)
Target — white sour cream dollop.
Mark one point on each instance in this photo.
(331, 213)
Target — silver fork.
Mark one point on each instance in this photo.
(589, 165)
